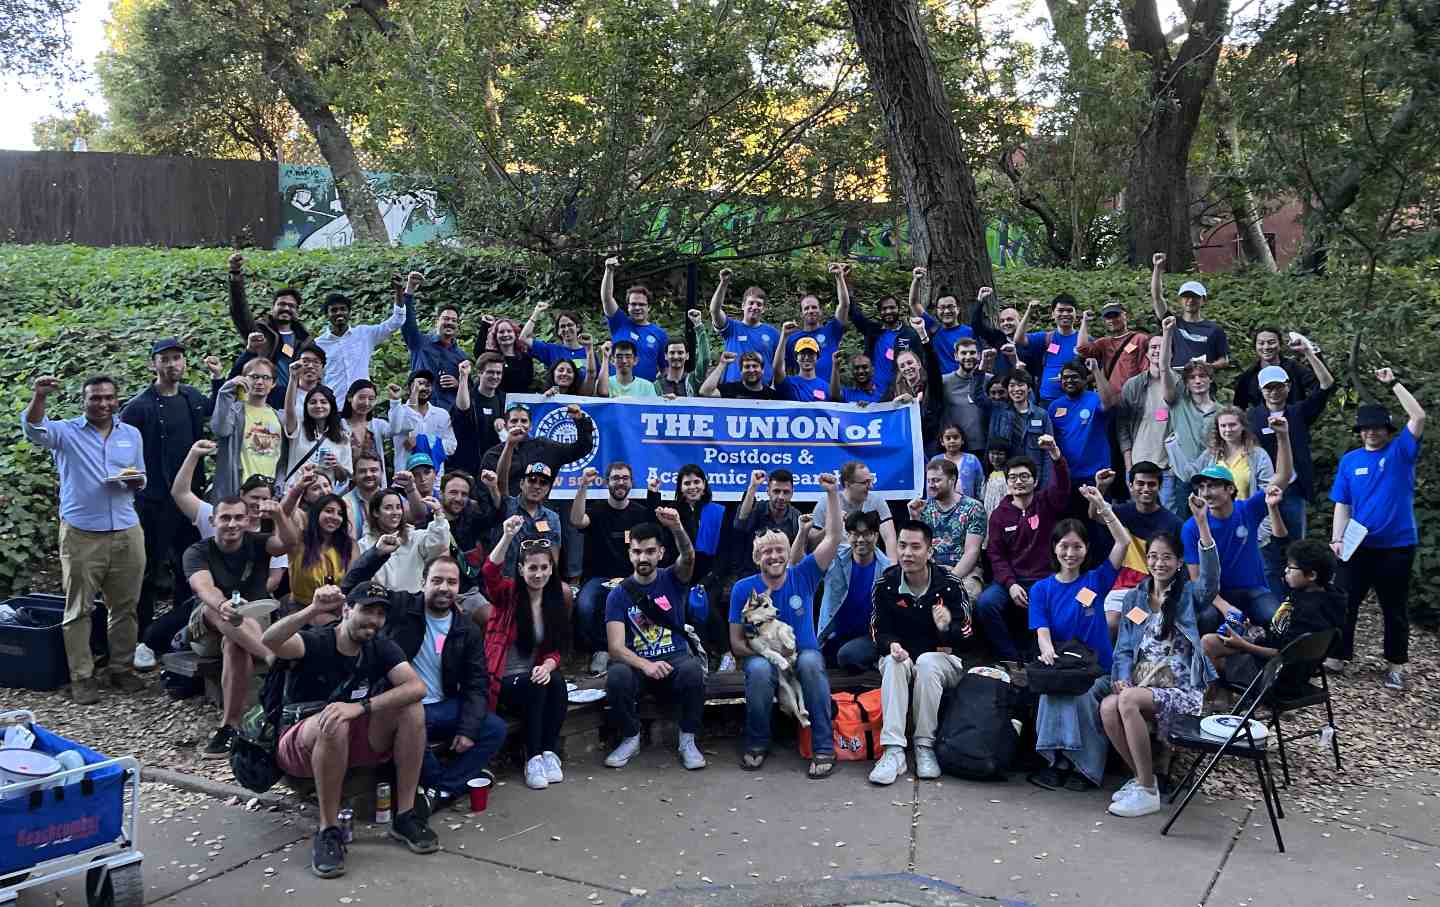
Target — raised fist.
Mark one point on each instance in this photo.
(513, 525)
(464, 368)
(694, 316)
(394, 391)
(728, 357)
(789, 326)
(984, 293)
(1157, 260)
(725, 275)
(203, 447)
(612, 263)
(46, 385)
(1168, 325)
(255, 343)
(757, 477)
(918, 273)
(489, 479)
(1385, 375)
(213, 364)
(1046, 442)
(412, 282)
(236, 261)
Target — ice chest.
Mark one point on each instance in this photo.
(33, 658)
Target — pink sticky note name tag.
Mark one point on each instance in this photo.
(1053, 348)
(542, 525)
(1162, 415)
(439, 643)
(663, 602)
(1034, 521)
(890, 353)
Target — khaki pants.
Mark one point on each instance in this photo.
(931, 674)
(109, 563)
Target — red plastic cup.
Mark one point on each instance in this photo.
(479, 794)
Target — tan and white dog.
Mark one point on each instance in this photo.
(774, 640)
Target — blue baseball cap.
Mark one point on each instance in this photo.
(1217, 472)
(419, 458)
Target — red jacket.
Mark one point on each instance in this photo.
(500, 630)
(1019, 549)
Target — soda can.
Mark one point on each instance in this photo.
(346, 820)
(382, 803)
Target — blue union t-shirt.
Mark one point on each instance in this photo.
(650, 341)
(1037, 345)
(741, 338)
(794, 601)
(827, 336)
(1057, 606)
(803, 390)
(1080, 424)
(1379, 486)
(1235, 537)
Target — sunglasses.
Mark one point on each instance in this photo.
(534, 545)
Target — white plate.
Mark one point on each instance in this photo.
(570, 687)
(586, 695)
(1220, 727)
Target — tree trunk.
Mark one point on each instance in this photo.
(304, 94)
(1157, 194)
(946, 229)
(1249, 225)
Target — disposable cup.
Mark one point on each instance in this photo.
(479, 794)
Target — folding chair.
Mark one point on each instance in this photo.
(1186, 734)
(1306, 653)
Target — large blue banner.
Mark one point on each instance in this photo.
(730, 438)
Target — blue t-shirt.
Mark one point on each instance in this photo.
(855, 395)
(643, 636)
(794, 601)
(1059, 607)
(1235, 537)
(1080, 424)
(650, 341)
(803, 390)
(854, 617)
(551, 353)
(427, 660)
(828, 336)
(742, 338)
(1379, 486)
(883, 359)
(942, 341)
(1035, 344)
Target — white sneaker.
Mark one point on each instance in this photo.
(891, 766)
(553, 774)
(1139, 801)
(624, 752)
(727, 663)
(599, 662)
(144, 658)
(535, 778)
(1394, 680)
(690, 755)
(926, 765)
(1124, 790)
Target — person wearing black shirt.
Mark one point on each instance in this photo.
(751, 385)
(528, 450)
(343, 664)
(473, 514)
(234, 562)
(607, 526)
(477, 412)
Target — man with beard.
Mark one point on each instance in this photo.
(1144, 518)
(342, 663)
(278, 336)
(1121, 352)
(957, 524)
(887, 338)
(863, 388)
(418, 426)
(750, 335)
(826, 335)
(961, 388)
(944, 326)
(1049, 350)
(528, 450)
(478, 413)
(607, 525)
(776, 516)
(921, 616)
(633, 323)
(170, 416)
(349, 348)
(447, 650)
(678, 379)
(438, 354)
(473, 514)
(363, 486)
(751, 386)
(1195, 338)
(792, 592)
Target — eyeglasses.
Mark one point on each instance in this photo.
(534, 545)
(1020, 477)
(261, 376)
(539, 479)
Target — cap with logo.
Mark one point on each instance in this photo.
(368, 594)
(807, 343)
(1112, 308)
(542, 470)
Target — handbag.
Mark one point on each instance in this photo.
(1074, 671)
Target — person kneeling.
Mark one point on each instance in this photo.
(921, 612)
(339, 665)
(645, 632)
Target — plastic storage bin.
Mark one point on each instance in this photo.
(33, 658)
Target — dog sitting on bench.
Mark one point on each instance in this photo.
(774, 640)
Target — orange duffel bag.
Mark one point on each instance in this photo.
(855, 720)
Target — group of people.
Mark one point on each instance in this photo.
(413, 577)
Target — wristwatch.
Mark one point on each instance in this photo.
(365, 704)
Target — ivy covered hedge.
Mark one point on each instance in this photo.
(78, 311)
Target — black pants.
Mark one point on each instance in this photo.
(167, 535)
(1387, 571)
(685, 685)
(541, 708)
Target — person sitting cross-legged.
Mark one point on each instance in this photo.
(922, 615)
(342, 663)
(848, 601)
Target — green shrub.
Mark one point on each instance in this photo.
(78, 311)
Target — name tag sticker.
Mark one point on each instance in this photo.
(663, 602)
(1053, 348)
(627, 536)
(1136, 616)
(1085, 596)
(890, 353)
(1011, 528)
(542, 525)
(1267, 430)
(287, 350)
(1362, 470)
(742, 338)
(1130, 347)
(439, 643)
(1162, 415)
(1037, 423)
(1034, 521)
(360, 692)
(818, 394)
(1060, 413)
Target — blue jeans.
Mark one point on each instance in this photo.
(857, 654)
(1292, 510)
(992, 608)
(441, 720)
(1259, 604)
(761, 684)
(590, 615)
(1175, 495)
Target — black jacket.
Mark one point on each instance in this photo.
(143, 412)
(541, 450)
(462, 660)
(1303, 383)
(903, 619)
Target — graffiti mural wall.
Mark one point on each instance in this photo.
(311, 216)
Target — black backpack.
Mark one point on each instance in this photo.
(975, 738)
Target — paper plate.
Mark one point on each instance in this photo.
(1220, 727)
(586, 695)
(570, 686)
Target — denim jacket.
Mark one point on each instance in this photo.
(837, 586)
(1198, 594)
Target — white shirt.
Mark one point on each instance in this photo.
(435, 423)
(347, 358)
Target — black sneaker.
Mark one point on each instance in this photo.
(327, 859)
(219, 745)
(415, 833)
(424, 805)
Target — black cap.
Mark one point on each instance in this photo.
(1370, 415)
(1112, 308)
(166, 343)
(367, 595)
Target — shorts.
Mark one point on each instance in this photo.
(204, 639)
(294, 759)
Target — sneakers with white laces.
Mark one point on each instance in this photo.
(927, 767)
(624, 752)
(891, 766)
(690, 755)
(535, 773)
(144, 658)
(1140, 801)
(1124, 790)
(553, 774)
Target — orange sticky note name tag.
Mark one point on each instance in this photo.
(1130, 347)
(542, 525)
(1137, 615)
(1060, 413)
(287, 350)
(1085, 596)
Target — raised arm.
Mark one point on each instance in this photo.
(292, 423)
(1284, 457)
(1167, 341)
(513, 437)
(917, 296)
(527, 332)
(777, 362)
(239, 308)
(1109, 396)
(835, 394)
(1019, 338)
(797, 544)
(602, 371)
(1083, 337)
(1157, 290)
(711, 385)
(578, 517)
(182, 489)
(717, 300)
(1118, 532)
(462, 390)
(410, 327)
(825, 551)
(747, 500)
(842, 291)
(1323, 378)
(685, 550)
(1412, 407)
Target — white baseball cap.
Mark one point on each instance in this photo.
(1195, 287)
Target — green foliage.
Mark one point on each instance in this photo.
(58, 132)
(34, 36)
(78, 311)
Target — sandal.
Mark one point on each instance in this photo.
(822, 766)
(753, 760)
(1049, 778)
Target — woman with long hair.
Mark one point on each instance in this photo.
(316, 439)
(503, 338)
(569, 343)
(367, 433)
(1229, 443)
(404, 569)
(527, 628)
(322, 550)
(1070, 606)
(565, 378)
(1160, 670)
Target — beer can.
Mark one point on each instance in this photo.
(346, 820)
(382, 803)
